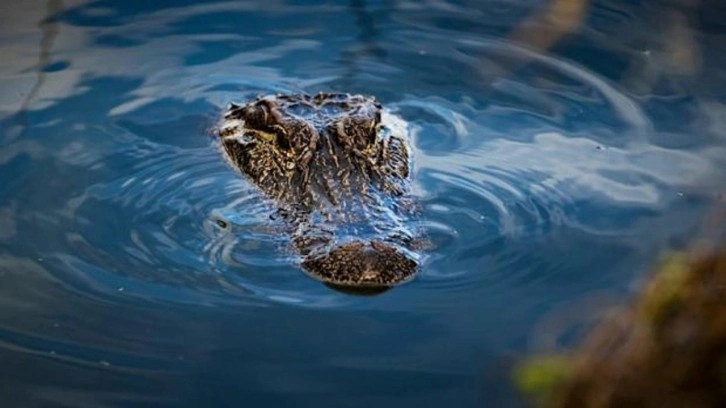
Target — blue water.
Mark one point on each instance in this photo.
(549, 177)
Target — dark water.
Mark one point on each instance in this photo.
(549, 177)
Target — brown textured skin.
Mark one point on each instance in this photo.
(327, 161)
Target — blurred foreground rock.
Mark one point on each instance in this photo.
(665, 349)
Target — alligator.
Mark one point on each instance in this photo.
(337, 168)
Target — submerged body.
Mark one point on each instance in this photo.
(339, 174)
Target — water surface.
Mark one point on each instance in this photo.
(549, 179)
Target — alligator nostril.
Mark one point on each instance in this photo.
(368, 256)
(369, 275)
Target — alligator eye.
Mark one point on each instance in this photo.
(255, 115)
(281, 136)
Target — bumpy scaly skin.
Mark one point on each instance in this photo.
(334, 169)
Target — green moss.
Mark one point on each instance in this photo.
(665, 294)
(538, 377)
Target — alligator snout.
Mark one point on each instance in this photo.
(360, 264)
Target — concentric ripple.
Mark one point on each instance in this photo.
(500, 163)
(183, 218)
(553, 150)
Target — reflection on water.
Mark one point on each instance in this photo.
(558, 147)
(49, 29)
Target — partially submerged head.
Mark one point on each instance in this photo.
(332, 158)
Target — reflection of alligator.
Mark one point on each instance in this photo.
(337, 167)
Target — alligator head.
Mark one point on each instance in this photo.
(339, 174)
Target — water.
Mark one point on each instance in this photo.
(550, 177)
